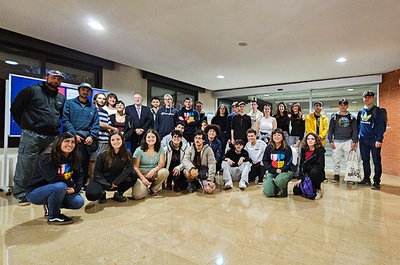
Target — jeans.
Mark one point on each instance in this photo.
(30, 147)
(56, 197)
(367, 147)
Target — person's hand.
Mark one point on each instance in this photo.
(145, 182)
(194, 172)
(261, 163)
(79, 139)
(298, 143)
(88, 141)
(175, 171)
(241, 160)
(230, 162)
(70, 190)
(332, 145)
(139, 131)
(150, 174)
(298, 183)
(181, 118)
(353, 146)
(113, 186)
(279, 171)
(232, 141)
(378, 144)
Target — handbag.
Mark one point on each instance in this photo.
(352, 172)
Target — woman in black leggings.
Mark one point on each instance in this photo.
(312, 164)
(113, 171)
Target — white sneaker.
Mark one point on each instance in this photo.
(228, 185)
(319, 195)
(242, 184)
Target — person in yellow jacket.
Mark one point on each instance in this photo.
(317, 123)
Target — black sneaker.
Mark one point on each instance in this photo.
(103, 198)
(46, 210)
(191, 187)
(119, 197)
(376, 186)
(335, 179)
(60, 220)
(365, 182)
(23, 201)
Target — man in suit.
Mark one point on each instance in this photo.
(141, 119)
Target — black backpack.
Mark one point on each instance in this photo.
(384, 116)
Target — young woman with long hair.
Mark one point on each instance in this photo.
(113, 171)
(57, 180)
(221, 119)
(266, 124)
(282, 118)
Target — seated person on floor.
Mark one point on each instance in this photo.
(113, 171)
(174, 154)
(256, 149)
(180, 125)
(278, 162)
(200, 165)
(236, 166)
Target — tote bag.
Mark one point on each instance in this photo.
(352, 168)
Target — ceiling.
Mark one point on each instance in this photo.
(194, 41)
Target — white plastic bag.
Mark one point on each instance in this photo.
(352, 168)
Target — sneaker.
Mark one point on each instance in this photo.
(23, 201)
(227, 186)
(191, 187)
(325, 180)
(336, 178)
(153, 193)
(46, 210)
(242, 185)
(103, 198)
(376, 186)
(318, 195)
(119, 197)
(282, 193)
(60, 220)
(365, 182)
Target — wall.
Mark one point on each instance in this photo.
(209, 103)
(389, 98)
(125, 81)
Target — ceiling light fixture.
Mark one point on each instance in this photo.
(11, 62)
(354, 102)
(341, 60)
(243, 44)
(220, 76)
(95, 25)
(350, 89)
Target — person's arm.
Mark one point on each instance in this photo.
(354, 132)
(95, 126)
(99, 169)
(67, 125)
(77, 178)
(380, 127)
(310, 123)
(187, 162)
(324, 127)
(127, 170)
(288, 160)
(160, 165)
(302, 128)
(267, 161)
(149, 120)
(211, 163)
(20, 103)
(274, 124)
(136, 167)
(49, 170)
(331, 130)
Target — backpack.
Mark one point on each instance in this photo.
(307, 188)
(384, 116)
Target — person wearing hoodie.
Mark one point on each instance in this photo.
(165, 118)
(312, 164)
(342, 136)
(174, 154)
(277, 161)
(190, 117)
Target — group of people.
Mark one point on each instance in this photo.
(147, 148)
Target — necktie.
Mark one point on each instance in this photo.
(138, 112)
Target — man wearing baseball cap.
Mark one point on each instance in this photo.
(371, 124)
(317, 122)
(240, 124)
(37, 110)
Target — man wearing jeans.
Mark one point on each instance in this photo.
(371, 125)
(37, 110)
(342, 136)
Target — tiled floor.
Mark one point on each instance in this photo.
(349, 225)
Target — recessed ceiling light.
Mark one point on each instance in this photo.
(354, 102)
(10, 62)
(266, 95)
(341, 60)
(350, 89)
(95, 25)
(220, 76)
(243, 44)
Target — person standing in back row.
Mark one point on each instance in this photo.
(240, 124)
(371, 125)
(342, 135)
(317, 122)
(37, 110)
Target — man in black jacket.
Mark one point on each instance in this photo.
(37, 110)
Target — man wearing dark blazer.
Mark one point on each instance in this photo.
(141, 119)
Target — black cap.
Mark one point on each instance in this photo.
(368, 93)
(344, 101)
(239, 141)
(318, 102)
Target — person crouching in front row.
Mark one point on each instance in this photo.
(113, 171)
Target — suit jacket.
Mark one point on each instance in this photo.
(146, 118)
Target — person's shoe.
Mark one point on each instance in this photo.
(376, 186)
(365, 182)
(227, 186)
(242, 185)
(325, 180)
(191, 187)
(175, 188)
(318, 195)
(336, 178)
(103, 198)
(283, 193)
(119, 197)
(153, 193)
(46, 210)
(169, 185)
(23, 201)
(60, 220)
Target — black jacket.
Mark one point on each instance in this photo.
(315, 160)
(128, 129)
(39, 109)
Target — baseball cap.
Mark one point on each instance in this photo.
(241, 103)
(168, 96)
(344, 101)
(56, 73)
(318, 102)
(235, 104)
(84, 84)
(239, 141)
(368, 93)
